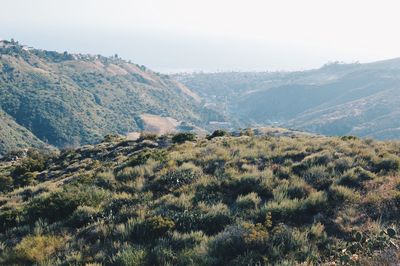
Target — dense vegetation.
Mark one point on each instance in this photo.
(221, 200)
(15, 137)
(70, 99)
(337, 99)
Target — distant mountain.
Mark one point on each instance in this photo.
(69, 99)
(337, 99)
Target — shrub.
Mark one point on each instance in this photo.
(9, 217)
(340, 194)
(182, 137)
(216, 218)
(152, 228)
(130, 256)
(105, 179)
(25, 179)
(111, 138)
(29, 164)
(217, 133)
(175, 179)
(343, 164)
(318, 177)
(83, 215)
(141, 158)
(355, 176)
(36, 249)
(60, 205)
(6, 182)
(236, 240)
(147, 136)
(295, 210)
(127, 174)
(250, 201)
(240, 186)
(387, 164)
(162, 255)
(228, 244)
(57, 206)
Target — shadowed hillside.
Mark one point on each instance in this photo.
(15, 137)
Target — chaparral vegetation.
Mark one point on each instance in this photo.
(187, 200)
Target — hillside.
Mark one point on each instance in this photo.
(270, 199)
(337, 99)
(15, 137)
(70, 99)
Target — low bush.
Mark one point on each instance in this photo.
(182, 137)
(355, 176)
(36, 249)
(152, 228)
(387, 164)
(130, 256)
(217, 133)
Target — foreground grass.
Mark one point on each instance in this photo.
(247, 200)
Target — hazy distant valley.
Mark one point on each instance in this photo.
(337, 99)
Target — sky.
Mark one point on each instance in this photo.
(210, 35)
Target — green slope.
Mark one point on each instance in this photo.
(68, 99)
(14, 137)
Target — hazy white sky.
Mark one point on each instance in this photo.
(170, 35)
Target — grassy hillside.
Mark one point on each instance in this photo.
(70, 99)
(337, 99)
(14, 137)
(178, 200)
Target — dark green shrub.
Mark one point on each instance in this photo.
(242, 186)
(9, 217)
(130, 256)
(213, 223)
(55, 207)
(141, 158)
(237, 240)
(318, 177)
(347, 138)
(298, 192)
(343, 164)
(25, 179)
(210, 193)
(174, 179)
(152, 228)
(355, 176)
(111, 138)
(60, 205)
(387, 164)
(184, 136)
(82, 215)
(217, 133)
(228, 244)
(147, 136)
(28, 165)
(6, 183)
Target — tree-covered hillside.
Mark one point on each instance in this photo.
(14, 137)
(221, 200)
(69, 99)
